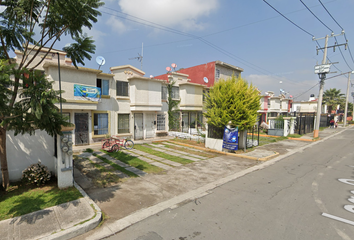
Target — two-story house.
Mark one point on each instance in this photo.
(273, 106)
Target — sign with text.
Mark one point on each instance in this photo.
(89, 93)
(230, 140)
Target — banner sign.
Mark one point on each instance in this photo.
(87, 93)
(230, 140)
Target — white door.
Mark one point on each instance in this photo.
(150, 121)
(138, 126)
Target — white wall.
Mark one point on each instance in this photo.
(24, 150)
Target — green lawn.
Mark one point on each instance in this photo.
(115, 166)
(21, 198)
(134, 161)
(163, 155)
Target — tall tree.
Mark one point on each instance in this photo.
(332, 98)
(26, 97)
(232, 100)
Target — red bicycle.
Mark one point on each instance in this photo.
(113, 144)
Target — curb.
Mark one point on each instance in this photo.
(230, 154)
(80, 228)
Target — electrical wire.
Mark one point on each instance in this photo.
(315, 16)
(345, 37)
(288, 19)
(306, 91)
(164, 28)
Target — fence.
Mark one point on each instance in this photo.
(304, 123)
(215, 132)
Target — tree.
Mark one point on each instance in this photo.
(26, 96)
(232, 100)
(173, 120)
(332, 98)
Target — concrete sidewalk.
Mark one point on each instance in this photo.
(138, 198)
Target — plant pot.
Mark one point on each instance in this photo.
(67, 128)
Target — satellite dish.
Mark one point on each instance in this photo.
(151, 76)
(168, 69)
(100, 61)
(174, 65)
(266, 93)
(291, 96)
(280, 81)
(205, 79)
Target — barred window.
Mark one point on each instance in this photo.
(217, 73)
(122, 89)
(123, 123)
(160, 122)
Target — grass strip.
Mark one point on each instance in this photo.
(203, 154)
(163, 155)
(116, 166)
(134, 162)
(20, 198)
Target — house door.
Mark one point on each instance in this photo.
(138, 126)
(185, 122)
(150, 120)
(81, 129)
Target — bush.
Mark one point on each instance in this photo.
(36, 174)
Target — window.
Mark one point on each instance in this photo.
(123, 123)
(100, 123)
(160, 122)
(104, 85)
(164, 93)
(200, 119)
(217, 73)
(122, 89)
(175, 92)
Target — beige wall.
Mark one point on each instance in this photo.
(191, 97)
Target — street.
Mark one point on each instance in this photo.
(283, 201)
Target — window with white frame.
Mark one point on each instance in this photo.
(66, 116)
(104, 85)
(163, 92)
(160, 122)
(175, 92)
(123, 123)
(122, 89)
(100, 123)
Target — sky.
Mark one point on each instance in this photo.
(274, 53)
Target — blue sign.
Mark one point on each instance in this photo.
(89, 93)
(230, 140)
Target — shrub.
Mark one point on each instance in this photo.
(36, 174)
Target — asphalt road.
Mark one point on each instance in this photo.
(283, 201)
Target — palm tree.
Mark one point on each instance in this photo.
(332, 98)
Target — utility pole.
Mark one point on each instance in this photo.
(346, 101)
(322, 70)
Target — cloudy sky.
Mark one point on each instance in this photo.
(274, 53)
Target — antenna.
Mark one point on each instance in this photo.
(140, 58)
(100, 61)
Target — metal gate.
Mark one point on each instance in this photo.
(81, 128)
(185, 122)
(150, 120)
(304, 123)
(138, 126)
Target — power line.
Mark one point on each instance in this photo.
(164, 28)
(288, 19)
(307, 90)
(315, 15)
(330, 14)
(340, 27)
